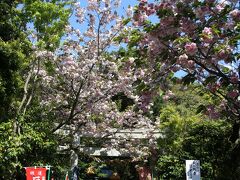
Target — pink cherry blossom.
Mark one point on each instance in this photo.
(183, 57)
(219, 7)
(222, 54)
(234, 79)
(205, 45)
(212, 112)
(207, 35)
(235, 14)
(191, 48)
(233, 94)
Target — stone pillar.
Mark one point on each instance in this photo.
(74, 156)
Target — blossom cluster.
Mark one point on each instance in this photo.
(86, 75)
(198, 37)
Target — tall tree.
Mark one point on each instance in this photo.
(200, 38)
(21, 133)
(85, 80)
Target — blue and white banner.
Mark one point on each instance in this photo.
(193, 170)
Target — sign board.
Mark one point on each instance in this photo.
(33, 173)
(193, 169)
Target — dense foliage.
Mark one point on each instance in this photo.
(24, 134)
(187, 135)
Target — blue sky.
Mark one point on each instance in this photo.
(124, 5)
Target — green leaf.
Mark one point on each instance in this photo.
(225, 70)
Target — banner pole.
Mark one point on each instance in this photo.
(49, 172)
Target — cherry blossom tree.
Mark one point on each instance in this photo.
(80, 80)
(199, 39)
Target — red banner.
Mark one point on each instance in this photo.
(36, 173)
